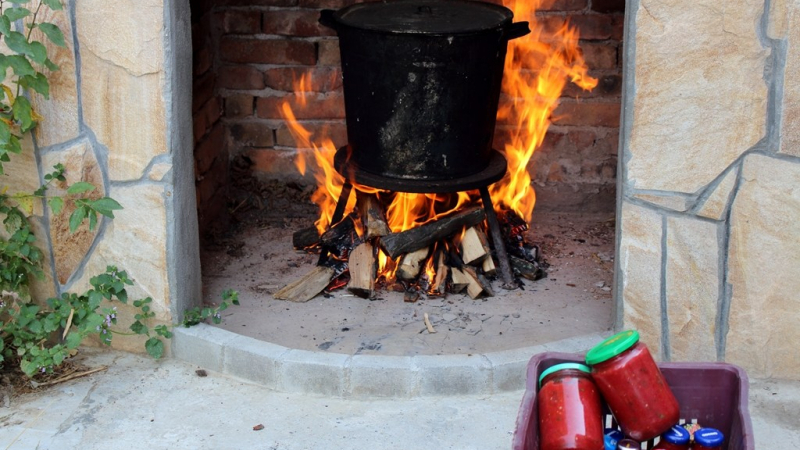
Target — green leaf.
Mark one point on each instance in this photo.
(76, 218)
(139, 328)
(17, 42)
(15, 14)
(5, 132)
(73, 340)
(80, 187)
(51, 65)
(105, 206)
(92, 220)
(38, 83)
(3, 70)
(23, 113)
(21, 65)
(5, 25)
(55, 5)
(53, 33)
(37, 51)
(56, 204)
(154, 347)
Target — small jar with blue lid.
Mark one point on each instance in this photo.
(676, 438)
(708, 439)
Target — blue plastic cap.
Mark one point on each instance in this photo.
(708, 437)
(612, 436)
(677, 435)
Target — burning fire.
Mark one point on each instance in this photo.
(537, 69)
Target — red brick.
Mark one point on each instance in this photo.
(294, 23)
(599, 26)
(241, 22)
(267, 51)
(320, 131)
(256, 2)
(201, 61)
(212, 181)
(238, 106)
(275, 163)
(599, 55)
(329, 4)
(240, 77)
(210, 149)
(203, 90)
(317, 106)
(587, 114)
(318, 79)
(563, 5)
(608, 6)
(329, 53)
(252, 134)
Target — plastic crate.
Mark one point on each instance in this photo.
(711, 394)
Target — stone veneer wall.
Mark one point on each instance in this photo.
(709, 205)
(117, 117)
(264, 45)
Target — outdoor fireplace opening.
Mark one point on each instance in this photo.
(269, 117)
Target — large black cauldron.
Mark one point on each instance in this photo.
(422, 83)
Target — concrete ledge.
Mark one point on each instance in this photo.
(362, 376)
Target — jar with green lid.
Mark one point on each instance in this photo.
(633, 386)
(570, 414)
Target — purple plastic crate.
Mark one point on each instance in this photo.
(711, 394)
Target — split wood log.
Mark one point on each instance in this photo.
(424, 235)
(526, 269)
(442, 270)
(474, 246)
(362, 271)
(372, 215)
(488, 266)
(342, 231)
(478, 286)
(305, 238)
(308, 286)
(460, 280)
(411, 264)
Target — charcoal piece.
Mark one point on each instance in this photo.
(305, 238)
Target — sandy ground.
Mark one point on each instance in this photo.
(257, 260)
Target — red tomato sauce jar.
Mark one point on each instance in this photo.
(633, 386)
(570, 414)
(708, 439)
(676, 438)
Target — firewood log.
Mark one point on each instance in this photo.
(363, 265)
(372, 216)
(424, 235)
(305, 238)
(474, 246)
(411, 264)
(308, 286)
(442, 271)
(460, 280)
(478, 286)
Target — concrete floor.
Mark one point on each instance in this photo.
(141, 403)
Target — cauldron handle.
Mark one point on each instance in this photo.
(326, 18)
(516, 30)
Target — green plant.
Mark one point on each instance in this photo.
(39, 336)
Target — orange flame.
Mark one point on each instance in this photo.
(537, 68)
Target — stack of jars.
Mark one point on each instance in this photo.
(624, 374)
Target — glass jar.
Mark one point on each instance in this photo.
(633, 386)
(708, 439)
(676, 438)
(570, 414)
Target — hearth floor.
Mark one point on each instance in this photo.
(575, 299)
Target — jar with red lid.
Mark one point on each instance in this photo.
(570, 414)
(676, 438)
(708, 439)
(633, 386)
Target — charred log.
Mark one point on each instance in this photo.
(425, 235)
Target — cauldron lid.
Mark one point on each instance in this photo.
(425, 16)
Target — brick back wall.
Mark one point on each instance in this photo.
(263, 45)
(210, 142)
